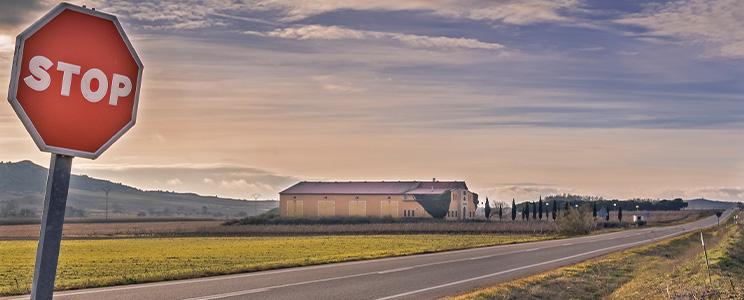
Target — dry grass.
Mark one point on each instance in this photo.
(214, 228)
(124, 229)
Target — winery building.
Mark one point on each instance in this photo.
(449, 200)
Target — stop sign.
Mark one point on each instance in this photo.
(75, 81)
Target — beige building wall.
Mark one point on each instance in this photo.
(395, 206)
(461, 205)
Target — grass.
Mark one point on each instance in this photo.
(673, 269)
(96, 263)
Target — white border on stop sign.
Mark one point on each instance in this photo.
(15, 74)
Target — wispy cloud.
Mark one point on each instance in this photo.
(320, 32)
(509, 12)
(714, 24)
(228, 180)
(520, 192)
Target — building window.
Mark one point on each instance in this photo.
(294, 197)
(464, 193)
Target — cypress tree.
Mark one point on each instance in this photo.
(555, 209)
(539, 208)
(565, 209)
(534, 210)
(526, 211)
(594, 209)
(514, 210)
(500, 212)
(619, 213)
(487, 210)
(607, 217)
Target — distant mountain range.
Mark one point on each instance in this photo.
(22, 186)
(709, 204)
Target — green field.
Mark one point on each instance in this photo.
(95, 263)
(672, 269)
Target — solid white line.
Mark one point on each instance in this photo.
(525, 267)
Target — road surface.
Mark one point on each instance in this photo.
(411, 277)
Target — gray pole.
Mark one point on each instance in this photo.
(52, 219)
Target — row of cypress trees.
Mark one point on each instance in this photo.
(537, 210)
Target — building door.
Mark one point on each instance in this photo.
(358, 208)
(294, 208)
(326, 208)
(389, 208)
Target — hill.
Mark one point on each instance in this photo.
(709, 204)
(22, 187)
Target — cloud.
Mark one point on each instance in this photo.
(16, 12)
(174, 182)
(717, 193)
(520, 192)
(334, 84)
(509, 12)
(320, 32)
(206, 179)
(714, 24)
(6, 44)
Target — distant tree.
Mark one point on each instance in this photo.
(555, 209)
(501, 212)
(534, 210)
(594, 209)
(620, 214)
(527, 210)
(607, 217)
(565, 208)
(487, 209)
(540, 208)
(513, 210)
(718, 215)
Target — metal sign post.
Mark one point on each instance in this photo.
(707, 263)
(52, 220)
(52, 90)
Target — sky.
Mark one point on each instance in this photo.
(619, 99)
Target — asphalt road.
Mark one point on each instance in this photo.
(411, 277)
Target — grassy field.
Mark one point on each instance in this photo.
(672, 269)
(95, 263)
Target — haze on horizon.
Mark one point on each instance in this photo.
(519, 99)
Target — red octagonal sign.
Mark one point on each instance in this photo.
(75, 81)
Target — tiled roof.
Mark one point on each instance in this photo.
(374, 187)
